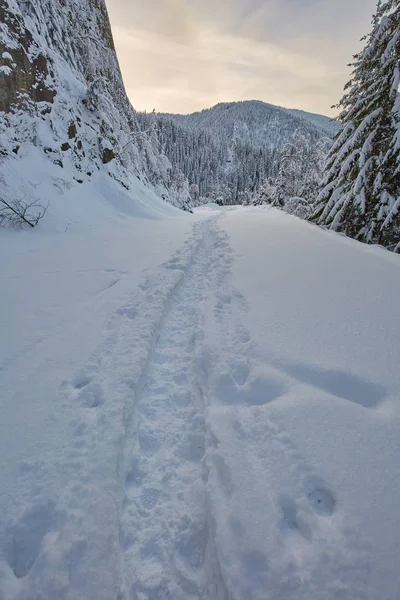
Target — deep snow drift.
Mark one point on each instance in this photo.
(194, 407)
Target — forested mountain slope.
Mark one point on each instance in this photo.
(62, 97)
(231, 152)
(325, 124)
(257, 122)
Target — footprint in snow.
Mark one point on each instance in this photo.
(173, 265)
(145, 285)
(224, 299)
(192, 545)
(244, 337)
(322, 502)
(81, 380)
(23, 540)
(256, 566)
(240, 373)
(149, 442)
(256, 391)
(149, 498)
(292, 519)
(92, 395)
(133, 479)
(223, 473)
(127, 311)
(192, 446)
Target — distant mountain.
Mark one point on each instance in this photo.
(231, 152)
(257, 122)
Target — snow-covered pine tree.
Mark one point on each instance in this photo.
(360, 190)
(265, 194)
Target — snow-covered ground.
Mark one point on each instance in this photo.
(197, 407)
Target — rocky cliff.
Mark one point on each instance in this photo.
(61, 92)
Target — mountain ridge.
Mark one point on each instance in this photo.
(328, 124)
(231, 153)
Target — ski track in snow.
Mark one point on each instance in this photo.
(164, 530)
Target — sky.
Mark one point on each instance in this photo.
(181, 56)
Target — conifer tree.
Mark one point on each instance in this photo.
(360, 190)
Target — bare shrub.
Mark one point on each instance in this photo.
(16, 213)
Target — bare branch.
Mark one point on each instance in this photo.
(17, 212)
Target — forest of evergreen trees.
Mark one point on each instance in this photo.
(242, 153)
(255, 153)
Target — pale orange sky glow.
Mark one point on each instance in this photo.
(182, 56)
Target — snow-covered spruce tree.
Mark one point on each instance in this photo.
(360, 190)
(299, 167)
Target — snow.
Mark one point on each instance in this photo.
(96, 201)
(304, 406)
(330, 126)
(195, 406)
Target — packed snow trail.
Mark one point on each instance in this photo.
(164, 531)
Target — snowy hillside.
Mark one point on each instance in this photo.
(325, 124)
(231, 151)
(62, 98)
(204, 407)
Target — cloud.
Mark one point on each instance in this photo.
(171, 18)
(181, 56)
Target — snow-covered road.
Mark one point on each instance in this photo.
(204, 407)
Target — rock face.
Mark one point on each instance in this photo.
(24, 70)
(61, 91)
(21, 78)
